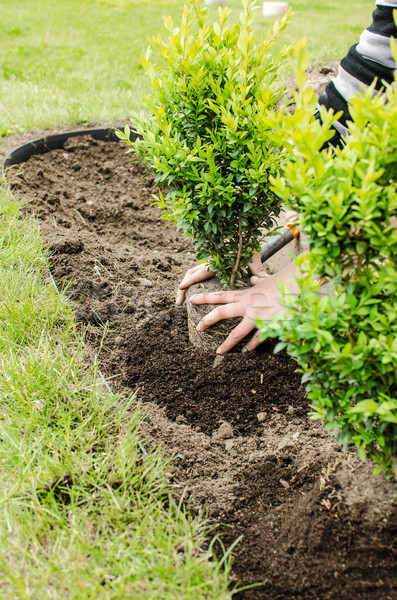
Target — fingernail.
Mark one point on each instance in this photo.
(219, 351)
(199, 327)
(245, 349)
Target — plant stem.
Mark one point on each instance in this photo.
(238, 258)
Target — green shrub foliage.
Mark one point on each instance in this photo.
(345, 340)
(207, 137)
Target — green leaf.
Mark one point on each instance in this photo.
(280, 346)
(306, 376)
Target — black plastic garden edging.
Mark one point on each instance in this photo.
(56, 142)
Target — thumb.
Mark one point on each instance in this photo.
(254, 279)
(256, 267)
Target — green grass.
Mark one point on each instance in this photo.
(83, 514)
(78, 61)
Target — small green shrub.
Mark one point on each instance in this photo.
(345, 341)
(207, 140)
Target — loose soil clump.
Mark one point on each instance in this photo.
(315, 523)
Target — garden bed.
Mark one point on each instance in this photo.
(315, 523)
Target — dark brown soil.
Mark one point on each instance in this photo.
(315, 524)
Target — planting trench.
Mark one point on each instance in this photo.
(315, 523)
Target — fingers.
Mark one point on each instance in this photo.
(216, 297)
(253, 343)
(226, 311)
(236, 335)
(180, 296)
(195, 275)
(256, 267)
(189, 275)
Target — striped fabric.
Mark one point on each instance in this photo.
(370, 59)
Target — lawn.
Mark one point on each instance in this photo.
(78, 61)
(82, 513)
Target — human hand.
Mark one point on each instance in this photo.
(262, 300)
(202, 272)
(196, 274)
(257, 269)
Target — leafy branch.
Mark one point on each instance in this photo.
(345, 340)
(207, 138)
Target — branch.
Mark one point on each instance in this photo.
(238, 258)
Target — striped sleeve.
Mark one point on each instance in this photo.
(370, 59)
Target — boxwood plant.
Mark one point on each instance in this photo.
(345, 340)
(207, 138)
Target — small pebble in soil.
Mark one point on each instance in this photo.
(118, 340)
(261, 417)
(285, 444)
(285, 484)
(225, 432)
(145, 282)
